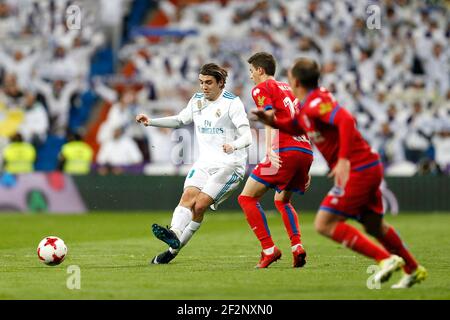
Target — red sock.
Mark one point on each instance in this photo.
(256, 218)
(357, 241)
(392, 242)
(290, 220)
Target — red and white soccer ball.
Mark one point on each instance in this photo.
(52, 250)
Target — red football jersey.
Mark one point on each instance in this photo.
(332, 129)
(278, 96)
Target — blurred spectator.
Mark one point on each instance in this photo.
(418, 139)
(437, 69)
(120, 115)
(58, 97)
(441, 143)
(35, 123)
(76, 156)
(118, 153)
(7, 20)
(11, 94)
(20, 65)
(19, 156)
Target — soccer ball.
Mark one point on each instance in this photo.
(52, 250)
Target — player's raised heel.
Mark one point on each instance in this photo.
(387, 267)
(166, 235)
(267, 259)
(408, 280)
(163, 258)
(299, 257)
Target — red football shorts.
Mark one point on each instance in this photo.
(291, 176)
(362, 194)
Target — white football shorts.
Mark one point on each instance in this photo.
(217, 182)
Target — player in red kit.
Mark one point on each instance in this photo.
(285, 168)
(357, 173)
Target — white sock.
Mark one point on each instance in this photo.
(189, 231)
(271, 250)
(296, 246)
(180, 219)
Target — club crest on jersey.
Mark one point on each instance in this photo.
(218, 113)
(199, 105)
(261, 100)
(325, 107)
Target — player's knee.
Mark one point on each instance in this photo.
(323, 227)
(246, 201)
(320, 228)
(283, 196)
(187, 199)
(199, 209)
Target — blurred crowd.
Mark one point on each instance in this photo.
(392, 73)
(394, 78)
(46, 47)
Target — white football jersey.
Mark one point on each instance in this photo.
(216, 123)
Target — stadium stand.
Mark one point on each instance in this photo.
(395, 79)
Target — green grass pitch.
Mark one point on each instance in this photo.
(113, 251)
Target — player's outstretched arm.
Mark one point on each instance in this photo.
(166, 122)
(286, 125)
(244, 140)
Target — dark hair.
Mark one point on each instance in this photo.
(264, 60)
(212, 69)
(307, 72)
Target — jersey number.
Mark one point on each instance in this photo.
(291, 105)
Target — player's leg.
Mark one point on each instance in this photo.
(193, 184)
(351, 202)
(183, 214)
(217, 188)
(333, 226)
(181, 225)
(181, 217)
(290, 219)
(375, 225)
(256, 218)
(201, 204)
(357, 196)
(293, 176)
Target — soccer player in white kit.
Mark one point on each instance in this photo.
(223, 132)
